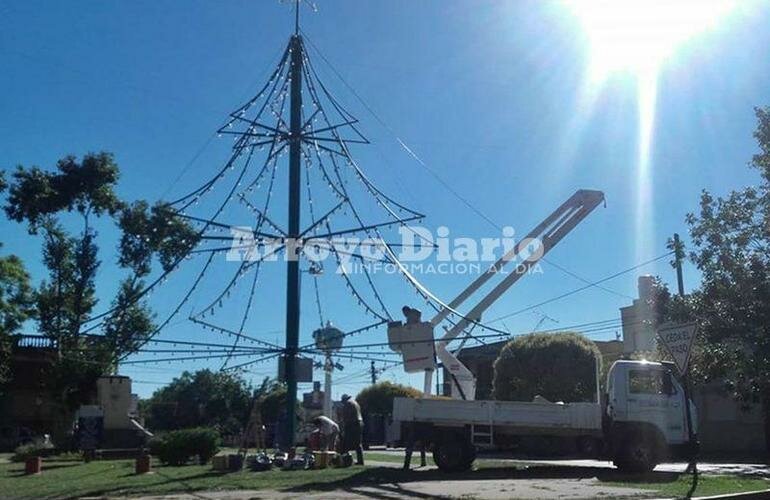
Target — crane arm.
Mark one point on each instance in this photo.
(545, 236)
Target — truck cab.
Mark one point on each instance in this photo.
(645, 414)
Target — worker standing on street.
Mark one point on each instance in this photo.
(329, 430)
(352, 428)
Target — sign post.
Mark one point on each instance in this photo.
(678, 340)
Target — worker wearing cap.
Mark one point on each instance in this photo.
(352, 428)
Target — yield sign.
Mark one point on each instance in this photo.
(678, 340)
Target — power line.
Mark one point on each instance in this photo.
(572, 292)
(436, 176)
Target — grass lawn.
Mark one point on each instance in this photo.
(70, 479)
(707, 485)
(396, 459)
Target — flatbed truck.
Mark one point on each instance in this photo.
(638, 421)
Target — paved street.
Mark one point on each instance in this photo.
(540, 483)
(485, 489)
(532, 479)
(748, 469)
(708, 466)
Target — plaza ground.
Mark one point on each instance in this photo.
(381, 478)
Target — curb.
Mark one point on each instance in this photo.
(750, 495)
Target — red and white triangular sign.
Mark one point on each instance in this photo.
(678, 340)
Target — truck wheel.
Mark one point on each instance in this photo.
(453, 455)
(636, 455)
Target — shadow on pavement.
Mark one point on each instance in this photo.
(391, 480)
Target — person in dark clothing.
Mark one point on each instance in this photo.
(415, 434)
(352, 428)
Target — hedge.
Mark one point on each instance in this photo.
(378, 398)
(179, 447)
(556, 366)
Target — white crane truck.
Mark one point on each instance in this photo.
(637, 422)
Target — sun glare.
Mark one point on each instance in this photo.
(637, 36)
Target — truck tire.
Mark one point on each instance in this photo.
(636, 455)
(453, 455)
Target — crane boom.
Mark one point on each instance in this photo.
(528, 251)
(547, 235)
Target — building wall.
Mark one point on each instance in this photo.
(727, 425)
(637, 319)
(27, 403)
(114, 396)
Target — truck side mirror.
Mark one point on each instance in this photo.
(668, 384)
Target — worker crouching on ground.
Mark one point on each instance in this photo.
(352, 428)
(328, 431)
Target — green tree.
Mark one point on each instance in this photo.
(86, 187)
(16, 306)
(85, 190)
(556, 366)
(16, 295)
(202, 399)
(377, 399)
(731, 240)
(271, 399)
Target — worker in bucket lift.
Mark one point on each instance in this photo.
(352, 428)
(412, 316)
(328, 430)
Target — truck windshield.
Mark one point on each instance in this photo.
(648, 382)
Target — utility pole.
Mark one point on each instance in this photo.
(678, 258)
(692, 437)
(374, 373)
(328, 368)
(293, 246)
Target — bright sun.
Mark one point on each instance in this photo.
(637, 36)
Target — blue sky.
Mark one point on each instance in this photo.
(490, 95)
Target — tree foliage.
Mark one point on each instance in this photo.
(377, 399)
(201, 399)
(86, 189)
(16, 295)
(179, 447)
(152, 231)
(731, 248)
(16, 306)
(556, 366)
(68, 297)
(271, 399)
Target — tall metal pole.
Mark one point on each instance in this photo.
(292, 247)
(691, 436)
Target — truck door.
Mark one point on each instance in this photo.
(655, 397)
